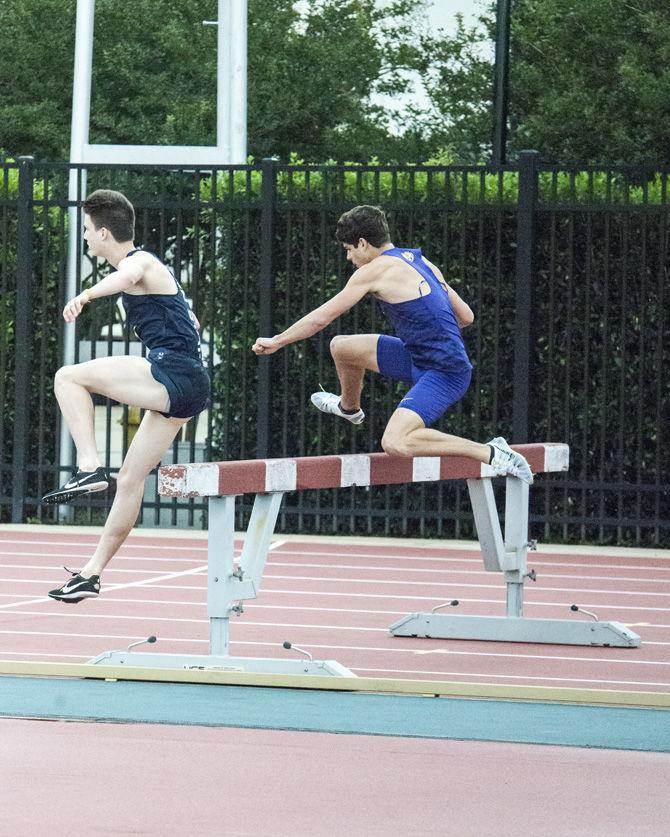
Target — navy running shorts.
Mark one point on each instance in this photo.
(185, 378)
(432, 392)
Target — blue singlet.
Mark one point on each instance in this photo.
(428, 351)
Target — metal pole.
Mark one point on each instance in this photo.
(22, 336)
(224, 88)
(525, 276)
(81, 107)
(501, 83)
(265, 302)
(238, 82)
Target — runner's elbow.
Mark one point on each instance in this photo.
(318, 322)
(466, 318)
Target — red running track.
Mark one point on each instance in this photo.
(172, 781)
(338, 599)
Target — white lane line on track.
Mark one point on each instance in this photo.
(130, 544)
(145, 559)
(170, 547)
(42, 655)
(147, 581)
(451, 586)
(364, 649)
(420, 599)
(516, 655)
(286, 564)
(249, 608)
(144, 583)
(541, 557)
(48, 568)
(347, 553)
(102, 636)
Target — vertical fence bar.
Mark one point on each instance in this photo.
(525, 267)
(265, 302)
(22, 341)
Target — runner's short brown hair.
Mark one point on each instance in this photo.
(368, 222)
(112, 210)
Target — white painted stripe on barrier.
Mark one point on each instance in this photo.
(355, 470)
(280, 474)
(425, 468)
(202, 479)
(556, 457)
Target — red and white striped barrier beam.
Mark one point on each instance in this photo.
(254, 476)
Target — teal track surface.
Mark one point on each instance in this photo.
(337, 712)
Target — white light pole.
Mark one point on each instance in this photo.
(230, 148)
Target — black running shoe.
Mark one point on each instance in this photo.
(83, 482)
(77, 588)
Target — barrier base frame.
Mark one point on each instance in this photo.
(210, 662)
(515, 629)
(507, 553)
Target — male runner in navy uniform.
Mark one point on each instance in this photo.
(171, 383)
(428, 352)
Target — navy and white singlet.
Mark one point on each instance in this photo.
(166, 326)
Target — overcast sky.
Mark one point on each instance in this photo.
(442, 12)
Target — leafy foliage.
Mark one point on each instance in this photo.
(312, 70)
(589, 82)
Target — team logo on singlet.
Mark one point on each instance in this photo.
(408, 256)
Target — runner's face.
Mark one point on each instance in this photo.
(360, 254)
(93, 238)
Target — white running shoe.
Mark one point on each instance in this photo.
(508, 461)
(328, 402)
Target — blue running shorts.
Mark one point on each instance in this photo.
(432, 392)
(184, 377)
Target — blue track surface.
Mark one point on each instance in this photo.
(337, 712)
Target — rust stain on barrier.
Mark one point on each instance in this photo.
(171, 482)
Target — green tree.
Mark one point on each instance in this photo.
(589, 82)
(313, 69)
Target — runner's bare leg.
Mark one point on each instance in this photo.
(407, 435)
(154, 436)
(124, 379)
(353, 354)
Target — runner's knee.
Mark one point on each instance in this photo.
(395, 444)
(128, 481)
(65, 375)
(338, 345)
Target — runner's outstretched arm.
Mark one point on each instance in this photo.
(361, 283)
(114, 283)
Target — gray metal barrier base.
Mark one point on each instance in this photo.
(515, 629)
(507, 554)
(229, 585)
(207, 662)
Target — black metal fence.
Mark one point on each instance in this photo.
(565, 271)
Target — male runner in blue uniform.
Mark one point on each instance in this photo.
(171, 383)
(428, 352)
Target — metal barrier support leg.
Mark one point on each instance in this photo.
(227, 587)
(220, 571)
(509, 556)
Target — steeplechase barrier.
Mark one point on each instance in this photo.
(230, 583)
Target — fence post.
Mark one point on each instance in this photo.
(525, 276)
(22, 336)
(265, 303)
